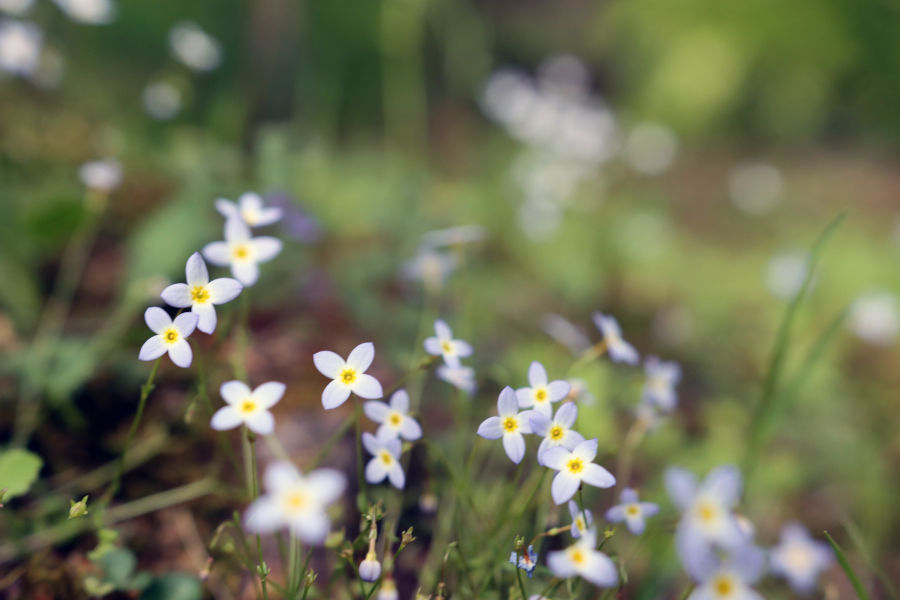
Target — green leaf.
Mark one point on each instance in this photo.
(173, 586)
(848, 570)
(118, 565)
(18, 471)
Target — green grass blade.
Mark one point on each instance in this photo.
(845, 565)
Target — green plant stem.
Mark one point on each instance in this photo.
(519, 577)
(861, 592)
(248, 444)
(360, 478)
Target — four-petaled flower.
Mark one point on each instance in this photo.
(242, 252)
(659, 389)
(619, 350)
(443, 344)
(385, 462)
(575, 466)
(394, 418)
(200, 293)
(581, 521)
(171, 336)
(729, 578)
(250, 209)
(582, 559)
(295, 502)
(799, 558)
(509, 424)
(557, 431)
(632, 511)
(527, 561)
(248, 407)
(541, 393)
(348, 375)
(460, 377)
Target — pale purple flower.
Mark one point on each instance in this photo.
(632, 511)
(541, 393)
(510, 424)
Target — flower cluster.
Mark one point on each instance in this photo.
(451, 350)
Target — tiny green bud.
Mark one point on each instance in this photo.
(519, 543)
(78, 509)
(263, 570)
(310, 577)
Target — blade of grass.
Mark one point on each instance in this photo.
(848, 570)
(866, 554)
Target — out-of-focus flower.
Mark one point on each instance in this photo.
(649, 416)
(461, 377)
(453, 236)
(799, 558)
(566, 333)
(619, 350)
(194, 47)
(295, 502)
(20, 47)
(659, 388)
(443, 344)
(388, 589)
(15, 7)
(370, 568)
(540, 393)
(510, 424)
(579, 392)
(556, 431)
(582, 559)
(430, 266)
(730, 578)
(575, 466)
(101, 175)
(581, 521)
(250, 209)
(348, 375)
(162, 100)
(201, 294)
(526, 561)
(651, 148)
(385, 462)
(88, 12)
(171, 336)
(250, 408)
(632, 511)
(755, 188)
(394, 418)
(242, 252)
(874, 318)
(785, 274)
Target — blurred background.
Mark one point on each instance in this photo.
(669, 163)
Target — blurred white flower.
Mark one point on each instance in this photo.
(510, 424)
(20, 47)
(582, 559)
(799, 558)
(874, 318)
(730, 577)
(162, 100)
(755, 188)
(101, 175)
(15, 7)
(250, 209)
(541, 393)
(201, 294)
(460, 377)
(194, 47)
(348, 375)
(632, 511)
(564, 75)
(785, 274)
(248, 407)
(659, 387)
(650, 148)
(566, 333)
(242, 252)
(385, 462)
(388, 589)
(443, 344)
(370, 568)
(574, 467)
(581, 521)
(88, 12)
(171, 336)
(430, 266)
(619, 350)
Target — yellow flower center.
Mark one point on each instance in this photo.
(199, 294)
(447, 347)
(577, 556)
(540, 395)
(510, 424)
(706, 511)
(579, 523)
(241, 252)
(395, 419)
(386, 457)
(575, 466)
(250, 216)
(633, 510)
(348, 376)
(556, 433)
(171, 335)
(723, 586)
(248, 406)
(296, 501)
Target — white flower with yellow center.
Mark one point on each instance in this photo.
(799, 558)
(729, 578)
(171, 336)
(250, 209)
(575, 466)
(200, 293)
(581, 559)
(632, 511)
(248, 407)
(541, 394)
(460, 377)
(241, 251)
(619, 350)
(659, 388)
(385, 462)
(443, 344)
(509, 424)
(581, 521)
(556, 431)
(20, 47)
(394, 417)
(348, 375)
(433, 267)
(295, 502)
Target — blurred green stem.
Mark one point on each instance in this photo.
(861, 592)
(248, 445)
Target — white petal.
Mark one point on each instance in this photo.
(280, 475)
(396, 475)
(433, 346)
(245, 271)
(376, 471)
(636, 524)
(311, 528)
(195, 271)
(725, 483)
(648, 509)
(537, 375)
(600, 570)
(540, 423)
(157, 319)
(491, 428)
(206, 317)
(250, 202)
(410, 429)
(556, 457)
(236, 231)
(268, 215)
(366, 387)
(185, 323)
(566, 415)
(371, 443)
(226, 208)
(462, 348)
(329, 364)
(263, 516)
(507, 402)
(524, 419)
(586, 450)
(681, 485)
(442, 330)
(265, 248)
(361, 357)
(327, 484)
(375, 410)
(269, 393)
(400, 401)
(153, 348)
(597, 476)
(217, 253)
(261, 422)
(571, 439)
(546, 444)
(544, 408)
(628, 496)
(180, 353)
(616, 514)
(557, 390)
(226, 417)
(234, 392)
(514, 444)
(525, 397)
(223, 289)
(177, 295)
(334, 395)
(560, 564)
(564, 485)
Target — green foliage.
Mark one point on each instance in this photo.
(173, 586)
(18, 471)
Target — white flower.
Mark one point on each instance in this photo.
(509, 424)
(632, 511)
(799, 558)
(874, 318)
(619, 350)
(659, 388)
(15, 7)
(582, 559)
(388, 589)
(250, 209)
(20, 47)
(200, 293)
(394, 418)
(171, 336)
(581, 521)
(557, 431)
(194, 47)
(729, 578)
(348, 375)
(575, 466)
(385, 461)
(295, 502)
(241, 251)
(461, 377)
(370, 568)
(247, 407)
(431, 266)
(443, 344)
(88, 12)
(162, 100)
(101, 175)
(541, 393)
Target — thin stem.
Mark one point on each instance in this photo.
(519, 577)
(357, 417)
(248, 444)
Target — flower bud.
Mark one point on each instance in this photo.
(388, 589)
(370, 568)
(78, 509)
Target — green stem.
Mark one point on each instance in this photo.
(357, 418)
(519, 577)
(861, 592)
(248, 444)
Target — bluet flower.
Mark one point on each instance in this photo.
(527, 561)
(348, 375)
(510, 424)
(729, 578)
(250, 209)
(242, 252)
(443, 344)
(575, 466)
(556, 431)
(799, 558)
(632, 511)
(659, 388)
(385, 460)
(200, 293)
(101, 175)
(582, 559)
(171, 336)
(619, 350)
(541, 393)
(394, 418)
(431, 266)
(20, 47)
(581, 521)
(250, 408)
(370, 568)
(88, 12)
(195, 48)
(460, 377)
